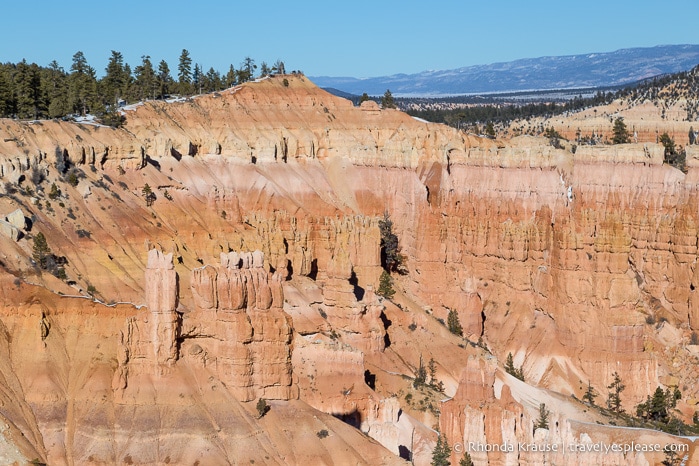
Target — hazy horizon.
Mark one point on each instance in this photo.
(362, 39)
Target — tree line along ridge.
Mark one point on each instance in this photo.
(30, 91)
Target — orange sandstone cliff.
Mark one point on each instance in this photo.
(253, 275)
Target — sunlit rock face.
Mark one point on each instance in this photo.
(253, 275)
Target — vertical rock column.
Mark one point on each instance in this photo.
(361, 321)
(233, 327)
(161, 298)
(271, 341)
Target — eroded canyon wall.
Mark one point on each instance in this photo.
(580, 265)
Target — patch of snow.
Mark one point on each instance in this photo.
(130, 107)
(88, 120)
(420, 120)
(85, 119)
(259, 80)
(176, 99)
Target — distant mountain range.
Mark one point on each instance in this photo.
(624, 66)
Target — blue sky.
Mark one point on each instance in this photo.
(357, 38)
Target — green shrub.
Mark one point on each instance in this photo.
(72, 179)
(262, 407)
(54, 193)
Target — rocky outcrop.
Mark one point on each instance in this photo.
(17, 219)
(161, 299)
(359, 317)
(13, 225)
(148, 342)
(238, 327)
(343, 257)
(239, 319)
(346, 394)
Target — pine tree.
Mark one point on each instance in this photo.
(164, 79)
(385, 286)
(620, 132)
(673, 396)
(364, 97)
(511, 369)
(391, 259)
(642, 409)
(672, 156)
(231, 77)
(510, 364)
(420, 375)
(115, 82)
(453, 323)
(148, 195)
(54, 88)
(671, 457)
(590, 394)
(41, 251)
(145, 84)
(543, 421)
(247, 70)
(197, 79)
(27, 90)
(614, 396)
(5, 94)
(466, 460)
(184, 74)
(387, 100)
(279, 67)
(432, 368)
(490, 130)
(668, 143)
(657, 409)
(54, 193)
(441, 452)
(82, 85)
(434, 383)
(213, 81)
